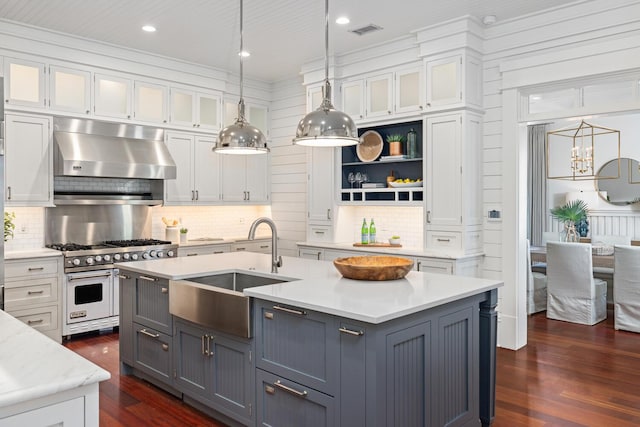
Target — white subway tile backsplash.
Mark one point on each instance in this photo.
(29, 231)
(404, 221)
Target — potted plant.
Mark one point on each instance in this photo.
(9, 226)
(183, 235)
(395, 144)
(571, 214)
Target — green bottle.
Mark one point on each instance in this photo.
(365, 232)
(372, 232)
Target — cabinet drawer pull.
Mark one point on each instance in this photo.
(8, 189)
(269, 389)
(241, 249)
(443, 240)
(194, 254)
(218, 252)
(164, 290)
(290, 310)
(123, 276)
(428, 217)
(36, 268)
(264, 246)
(165, 347)
(35, 292)
(268, 315)
(149, 279)
(149, 334)
(318, 255)
(34, 322)
(350, 331)
(328, 213)
(197, 195)
(290, 390)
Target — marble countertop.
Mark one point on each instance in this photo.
(390, 251)
(32, 253)
(33, 366)
(317, 285)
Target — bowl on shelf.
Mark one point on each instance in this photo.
(371, 146)
(373, 267)
(394, 240)
(394, 184)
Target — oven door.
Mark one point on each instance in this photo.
(89, 295)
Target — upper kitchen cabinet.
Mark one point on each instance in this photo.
(390, 94)
(150, 102)
(200, 110)
(25, 83)
(314, 96)
(245, 178)
(453, 196)
(69, 90)
(112, 96)
(256, 113)
(453, 80)
(197, 168)
(28, 161)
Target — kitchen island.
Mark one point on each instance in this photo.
(42, 382)
(322, 349)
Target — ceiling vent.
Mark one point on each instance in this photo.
(366, 29)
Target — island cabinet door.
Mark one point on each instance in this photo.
(298, 344)
(192, 360)
(151, 304)
(353, 366)
(285, 403)
(127, 290)
(153, 352)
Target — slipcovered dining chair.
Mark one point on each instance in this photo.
(606, 273)
(536, 288)
(573, 295)
(547, 236)
(626, 292)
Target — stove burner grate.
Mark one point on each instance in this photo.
(68, 247)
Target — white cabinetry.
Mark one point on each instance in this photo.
(24, 83)
(195, 250)
(33, 294)
(69, 90)
(453, 202)
(201, 110)
(321, 191)
(150, 102)
(453, 80)
(394, 93)
(257, 114)
(197, 170)
(262, 246)
(112, 96)
(245, 178)
(28, 161)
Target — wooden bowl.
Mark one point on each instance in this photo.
(373, 267)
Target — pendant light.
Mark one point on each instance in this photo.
(241, 137)
(326, 126)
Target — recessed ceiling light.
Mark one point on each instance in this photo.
(149, 28)
(244, 54)
(342, 20)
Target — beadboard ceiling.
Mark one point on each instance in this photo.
(280, 34)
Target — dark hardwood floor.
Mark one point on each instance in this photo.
(568, 375)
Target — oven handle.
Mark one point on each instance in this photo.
(89, 277)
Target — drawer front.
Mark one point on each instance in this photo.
(151, 305)
(281, 402)
(320, 233)
(152, 352)
(260, 247)
(42, 318)
(203, 250)
(307, 253)
(298, 344)
(30, 268)
(27, 292)
(444, 240)
(431, 266)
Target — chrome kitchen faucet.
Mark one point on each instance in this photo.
(276, 261)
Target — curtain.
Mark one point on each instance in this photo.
(537, 209)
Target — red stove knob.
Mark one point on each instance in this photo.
(107, 258)
(89, 261)
(98, 258)
(134, 256)
(75, 261)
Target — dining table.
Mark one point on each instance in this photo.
(539, 254)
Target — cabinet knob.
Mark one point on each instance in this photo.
(164, 121)
(6, 100)
(88, 111)
(428, 104)
(129, 116)
(421, 107)
(194, 125)
(388, 111)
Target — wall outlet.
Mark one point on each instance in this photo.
(242, 220)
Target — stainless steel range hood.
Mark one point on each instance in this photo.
(91, 148)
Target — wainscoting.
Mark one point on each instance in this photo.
(608, 222)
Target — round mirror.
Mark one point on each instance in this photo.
(624, 190)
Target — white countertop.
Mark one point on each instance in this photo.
(32, 253)
(317, 285)
(205, 241)
(390, 250)
(33, 365)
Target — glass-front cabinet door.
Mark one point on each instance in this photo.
(112, 96)
(378, 95)
(24, 83)
(150, 102)
(352, 99)
(409, 90)
(209, 111)
(70, 90)
(444, 81)
(182, 107)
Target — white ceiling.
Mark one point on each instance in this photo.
(280, 34)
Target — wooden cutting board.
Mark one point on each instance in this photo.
(377, 245)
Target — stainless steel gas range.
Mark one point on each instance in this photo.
(91, 287)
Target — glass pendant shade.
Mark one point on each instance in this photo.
(326, 126)
(241, 137)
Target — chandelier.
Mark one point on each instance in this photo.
(579, 145)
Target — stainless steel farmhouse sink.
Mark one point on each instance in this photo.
(217, 301)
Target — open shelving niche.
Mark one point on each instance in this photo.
(378, 170)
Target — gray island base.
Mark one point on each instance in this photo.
(321, 350)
